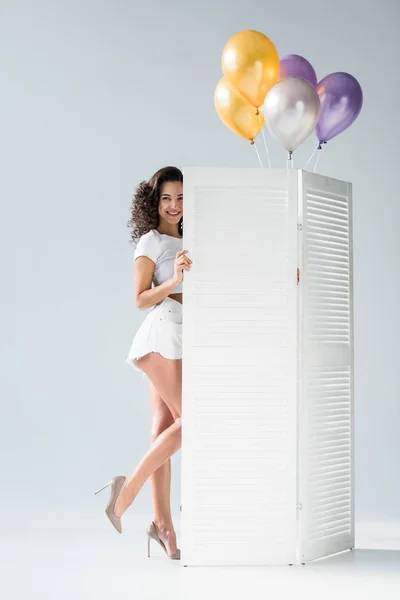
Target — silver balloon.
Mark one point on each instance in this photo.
(291, 111)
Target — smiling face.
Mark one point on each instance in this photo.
(170, 206)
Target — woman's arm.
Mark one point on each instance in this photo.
(145, 295)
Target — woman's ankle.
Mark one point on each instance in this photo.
(164, 524)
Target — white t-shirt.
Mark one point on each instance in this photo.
(161, 248)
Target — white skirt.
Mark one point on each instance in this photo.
(161, 332)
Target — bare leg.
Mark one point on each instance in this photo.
(166, 376)
(161, 478)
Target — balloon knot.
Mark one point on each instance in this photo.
(251, 142)
(319, 146)
(257, 112)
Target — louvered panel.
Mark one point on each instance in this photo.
(326, 417)
(239, 369)
(327, 225)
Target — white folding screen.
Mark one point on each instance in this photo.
(326, 369)
(244, 374)
(239, 380)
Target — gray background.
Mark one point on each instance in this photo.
(95, 97)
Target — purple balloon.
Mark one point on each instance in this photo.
(293, 65)
(341, 101)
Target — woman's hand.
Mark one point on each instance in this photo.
(182, 263)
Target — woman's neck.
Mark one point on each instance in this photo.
(172, 230)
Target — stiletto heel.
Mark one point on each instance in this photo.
(152, 533)
(116, 484)
(103, 488)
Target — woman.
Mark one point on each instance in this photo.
(156, 221)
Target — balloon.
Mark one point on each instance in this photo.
(291, 110)
(237, 114)
(250, 61)
(293, 65)
(341, 101)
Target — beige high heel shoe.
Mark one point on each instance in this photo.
(152, 533)
(116, 484)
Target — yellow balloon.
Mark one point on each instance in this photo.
(250, 61)
(237, 114)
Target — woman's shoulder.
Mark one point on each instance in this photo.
(151, 237)
(148, 245)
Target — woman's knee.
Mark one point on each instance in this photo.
(158, 425)
(178, 426)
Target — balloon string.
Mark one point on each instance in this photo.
(258, 154)
(265, 141)
(289, 162)
(316, 162)
(309, 160)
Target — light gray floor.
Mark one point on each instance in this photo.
(57, 556)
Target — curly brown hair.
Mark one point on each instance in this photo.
(144, 208)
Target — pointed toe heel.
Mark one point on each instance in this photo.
(116, 484)
(152, 534)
